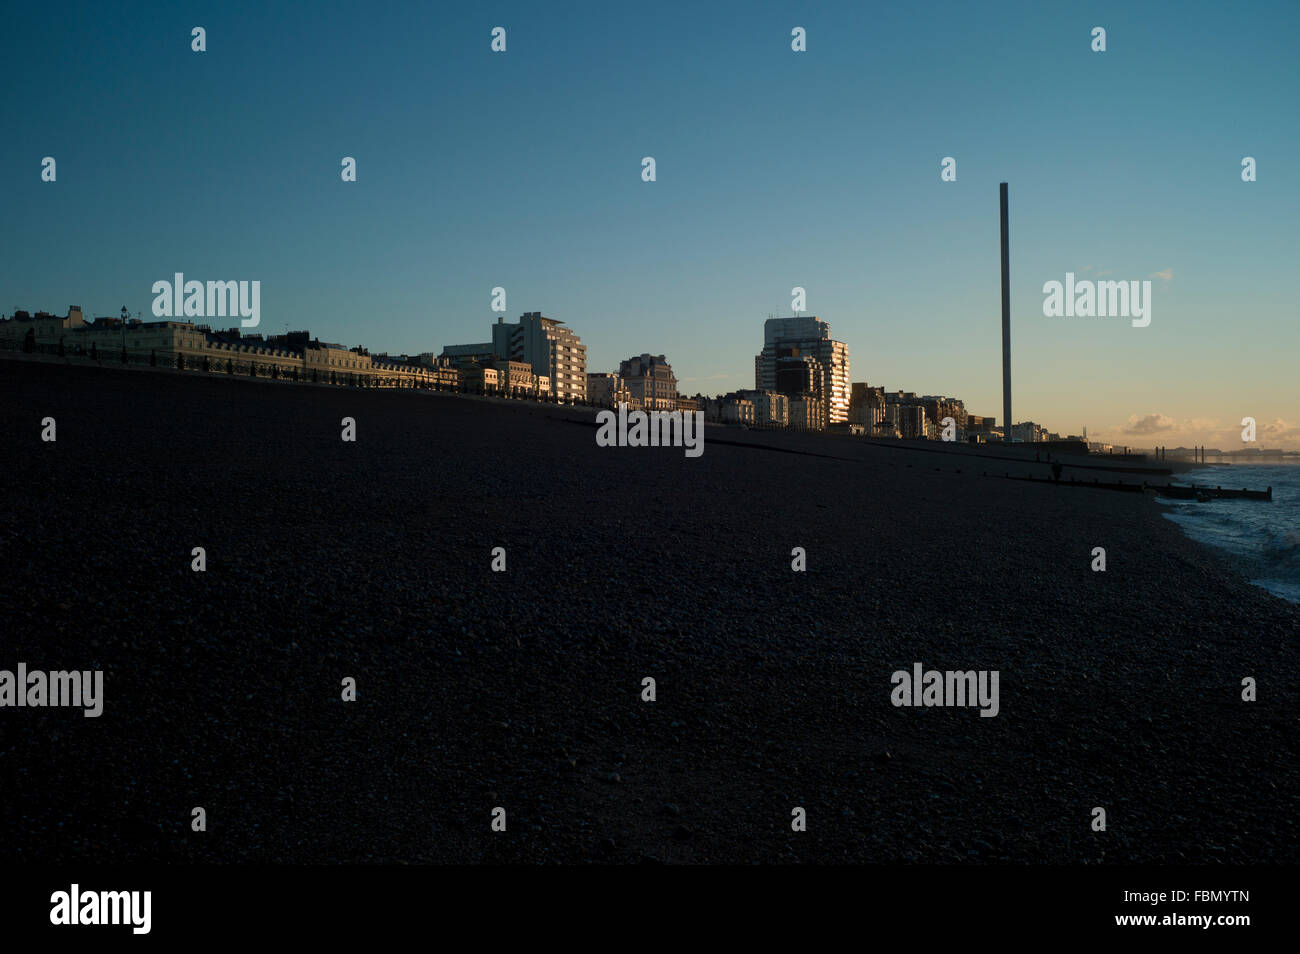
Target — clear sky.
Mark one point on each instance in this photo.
(774, 169)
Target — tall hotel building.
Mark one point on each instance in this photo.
(550, 348)
(802, 349)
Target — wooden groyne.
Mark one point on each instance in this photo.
(1218, 493)
(1165, 490)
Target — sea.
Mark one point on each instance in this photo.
(1264, 537)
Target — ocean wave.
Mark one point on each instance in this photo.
(1282, 547)
(1263, 537)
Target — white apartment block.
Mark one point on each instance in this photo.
(553, 350)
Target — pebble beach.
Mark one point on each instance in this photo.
(522, 689)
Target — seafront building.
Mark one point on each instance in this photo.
(555, 356)
(483, 372)
(197, 347)
(938, 407)
(882, 413)
(552, 350)
(464, 353)
(751, 408)
(650, 380)
(800, 357)
(1027, 432)
(46, 328)
(806, 369)
(866, 405)
(771, 408)
(738, 411)
(608, 389)
(808, 412)
(517, 378)
(296, 355)
(913, 423)
(885, 429)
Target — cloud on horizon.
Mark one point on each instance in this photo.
(1208, 431)
(1276, 429)
(1151, 424)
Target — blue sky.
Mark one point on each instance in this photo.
(775, 169)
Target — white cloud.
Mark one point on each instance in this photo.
(1151, 424)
